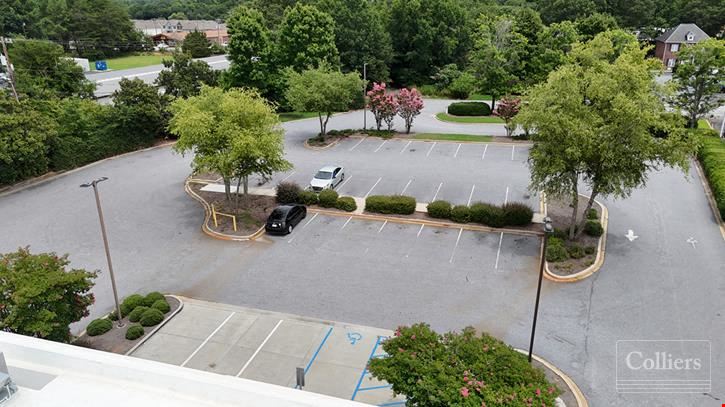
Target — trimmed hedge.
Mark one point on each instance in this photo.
(308, 198)
(152, 297)
(593, 228)
(135, 315)
(439, 209)
(151, 317)
(162, 306)
(130, 303)
(517, 214)
(288, 192)
(99, 327)
(592, 214)
(487, 214)
(328, 198)
(393, 204)
(712, 157)
(461, 214)
(134, 332)
(346, 203)
(469, 109)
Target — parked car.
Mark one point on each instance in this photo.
(327, 177)
(284, 218)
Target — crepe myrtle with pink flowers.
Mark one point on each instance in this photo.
(383, 105)
(507, 108)
(410, 103)
(460, 369)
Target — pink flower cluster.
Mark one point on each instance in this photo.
(385, 106)
(411, 103)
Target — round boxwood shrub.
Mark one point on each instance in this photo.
(328, 198)
(555, 250)
(398, 204)
(99, 327)
(593, 228)
(592, 214)
(131, 302)
(575, 251)
(151, 317)
(288, 192)
(134, 332)
(517, 214)
(135, 315)
(487, 214)
(469, 109)
(439, 209)
(152, 297)
(346, 203)
(461, 214)
(162, 305)
(308, 198)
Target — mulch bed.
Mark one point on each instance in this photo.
(251, 215)
(115, 340)
(560, 213)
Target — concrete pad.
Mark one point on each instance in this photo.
(167, 348)
(519, 254)
(220, 358)
(195, 322)
(273, 368)
(348, 346)
(234, 329)
(332, 379)
(296, 338)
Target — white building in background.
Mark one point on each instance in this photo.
(162, 26)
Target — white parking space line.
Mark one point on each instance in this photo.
(381, 227)
(457, 150)
(431, 149)
(437, 191)
(498, 253)
(380, 146)
(420, 230)
(458, 239)
(358, 143)
(346, 222)
(484, 152)
(303, 226)
(473, 188)
(287, 177)
(339, 187)
(506, 199)
(207, 339)
(406, 186)
(513, 151)
(414, 243)
(259, 348)
(371, 189)
(405, 147)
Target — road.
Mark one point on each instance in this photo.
(667, 284)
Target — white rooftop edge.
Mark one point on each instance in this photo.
(86, 377)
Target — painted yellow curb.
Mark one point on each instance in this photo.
(578, 394)
(207, 215)
(598, 261)
(710, 197)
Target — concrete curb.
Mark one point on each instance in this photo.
(52, 176)
(157, 327)
(598, 261)
(207, 215)
(435, 116)
(578, 395)
(710, 197)
(308, 146)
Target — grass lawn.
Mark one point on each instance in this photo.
(289, 116)
(478, 96)
(468, 119)
(133, 61)
(451, 137)
(703, 124)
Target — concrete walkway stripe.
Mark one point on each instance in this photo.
(314, 356)
(259, 348)
(498, 253)
(207, 339)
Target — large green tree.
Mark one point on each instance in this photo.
(553, 46)
(139, 112)
(40, 296)
(554, 11)
(250, 50)
(306, 38)
(235, 133)
(698, 77)
(593, 121)
(196, 44)
(588, 27)
(184, 77)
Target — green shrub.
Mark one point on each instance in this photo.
(162, 305)
(555, 250)
(560, 234)
(462, 86)
(131, 302)
(590, 250)
(439, 209)
(113, 316)
(346, 203)
(469, 109)
(134, 332)
(517, 214)
(430, 91)
(135, 315)
(99, 327)
(593, 228)
(712, 157)
(592, 214)
(487, 214)
(288, 192)
(152, 297)
(461, 214)
(328, 198)
(308, 198)
(575, 251)
(151, 317)
(398, 204)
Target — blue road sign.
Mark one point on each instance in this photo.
(101, 66)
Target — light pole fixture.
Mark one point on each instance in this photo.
(365, 103)
(94, 184)
(548, 230)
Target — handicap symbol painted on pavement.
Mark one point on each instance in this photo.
(353, 337)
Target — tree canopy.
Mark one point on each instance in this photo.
(307, 38)
(698, 77)
(184, 77)
(196, 44)
(249, 49)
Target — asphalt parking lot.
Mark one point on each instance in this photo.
(268, 347)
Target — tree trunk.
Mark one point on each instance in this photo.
(408, 125)
(590, 203)
(322, 126)
(575, 210)
(227, 188)
(493, 102)
(236, 196)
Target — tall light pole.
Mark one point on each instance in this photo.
(548, 230)
(94, 184)
(365, 103)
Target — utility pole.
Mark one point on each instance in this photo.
(11, 75)
(365, 104)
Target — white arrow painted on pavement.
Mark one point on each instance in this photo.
(630, 235)
(692, 241)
